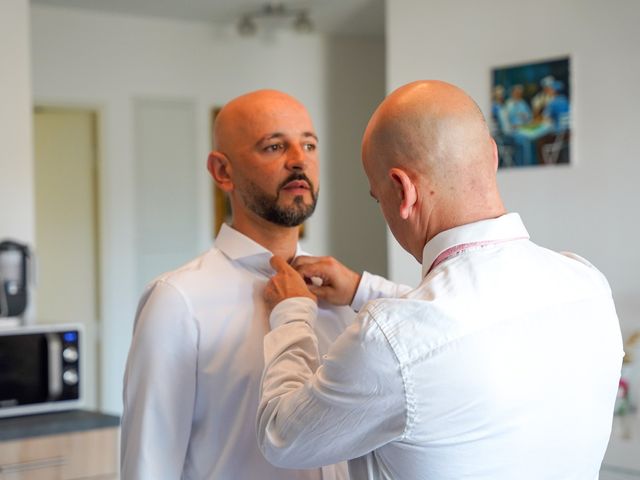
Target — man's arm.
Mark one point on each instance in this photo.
(372, 287)
(310, 414)
(159, 387)
(332, 281)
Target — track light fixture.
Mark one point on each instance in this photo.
(247, 26)
(302, 23)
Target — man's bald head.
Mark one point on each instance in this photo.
(266, 159)
(239, 119)
(429, 140)
(429, 126)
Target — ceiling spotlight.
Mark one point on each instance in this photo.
(247, 26)
(302, 22)
(276, 9)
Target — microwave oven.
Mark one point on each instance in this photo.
(40, 369)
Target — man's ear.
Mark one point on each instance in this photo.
(496, 160)
(219, 167)
(406, 191)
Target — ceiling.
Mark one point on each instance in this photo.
(339, 17)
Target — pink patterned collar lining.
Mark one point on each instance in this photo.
(457, 249)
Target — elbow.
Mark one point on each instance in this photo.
(280, 451)
(276, 457)
(285, 457)
(272, 445)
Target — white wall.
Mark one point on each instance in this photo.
(109, 62)
(16, 150)
(356, 85)
(591, 207)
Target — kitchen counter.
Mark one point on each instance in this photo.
(18, 428)
(62, 445)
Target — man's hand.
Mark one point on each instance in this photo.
(339, 284)
(286, 283)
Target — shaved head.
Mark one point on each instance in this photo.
(429, 126)
(435, 134)
(261, 109)
(266, 159)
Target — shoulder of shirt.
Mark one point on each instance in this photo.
(578, 258)
(383, 312)
(382, 306)
(182, 279)
(590, 267)
(207, 261)
(411, 327)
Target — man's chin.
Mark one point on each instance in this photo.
(289, 221)
(296, 213)
(297, 202)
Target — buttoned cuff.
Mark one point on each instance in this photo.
(294, 309)
(363, 292)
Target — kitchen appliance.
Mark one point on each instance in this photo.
(40, 369)
(15, 274)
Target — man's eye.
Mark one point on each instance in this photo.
(310, 147)
(274, 148)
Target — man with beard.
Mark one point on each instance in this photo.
(194, 367)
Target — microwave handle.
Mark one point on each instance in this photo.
(54, 360)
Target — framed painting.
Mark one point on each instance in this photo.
(530, 113)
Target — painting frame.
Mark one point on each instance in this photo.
(530, 117)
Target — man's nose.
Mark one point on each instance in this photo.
(296, 158)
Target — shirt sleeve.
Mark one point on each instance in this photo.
(372, 287)
(312, 415)
(159, 387)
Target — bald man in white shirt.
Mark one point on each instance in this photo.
(502, 364)
(194, 366)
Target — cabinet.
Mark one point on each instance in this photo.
(63, 446)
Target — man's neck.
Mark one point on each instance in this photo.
(455, 218)
(279, 240)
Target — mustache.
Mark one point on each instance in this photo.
(297, 176)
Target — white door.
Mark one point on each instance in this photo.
(66, 249)
(166, 176)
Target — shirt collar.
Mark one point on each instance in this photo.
(505, 227)
(240, 248)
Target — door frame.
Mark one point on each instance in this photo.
(97, 113)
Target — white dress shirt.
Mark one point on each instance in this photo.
(192, 381)
(503, 364)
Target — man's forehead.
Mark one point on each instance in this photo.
(286, 134)
(289, 115)
(255, 119)
(274, 123)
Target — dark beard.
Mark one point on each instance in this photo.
(266, 206)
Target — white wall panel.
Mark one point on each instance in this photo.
(16, 150)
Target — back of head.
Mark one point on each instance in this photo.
(436, 132)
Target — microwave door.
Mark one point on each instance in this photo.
(54, 361)
(23, 370)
